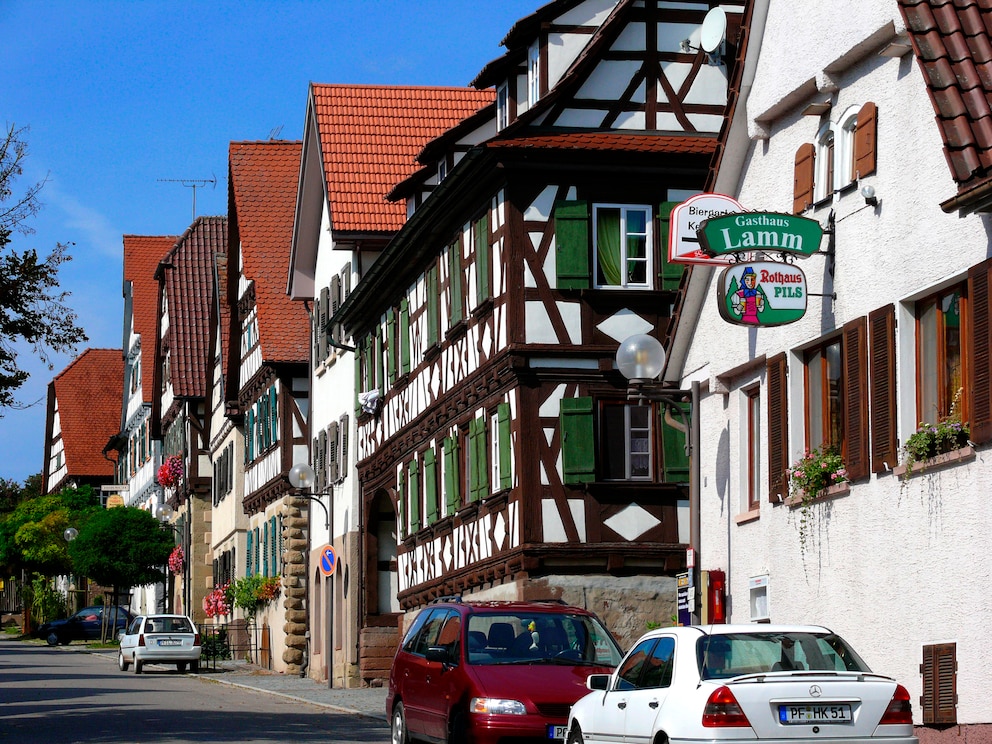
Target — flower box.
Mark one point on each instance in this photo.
(830, 492)
(962, 454)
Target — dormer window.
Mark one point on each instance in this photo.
(502, 107)
(533, 74)
(442, 169)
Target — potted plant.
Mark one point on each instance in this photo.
(931, 440)
(810, 476)
(170, 472)
(177, 559)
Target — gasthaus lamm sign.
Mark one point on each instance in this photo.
(762, 293)
(759, 231)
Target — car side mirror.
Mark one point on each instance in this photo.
(438, 653)
(598, 681)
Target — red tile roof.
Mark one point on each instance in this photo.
(954, 51)
(89, 393)
(614, 141)
(264, 177)
(370, 137)
(141, 256)
(187, 274)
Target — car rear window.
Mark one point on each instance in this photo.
(536, 638)
(732, 654)
(168, 625)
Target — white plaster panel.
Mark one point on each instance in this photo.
(581, 118)
(609, 80)
(554, 529)
(538, 328)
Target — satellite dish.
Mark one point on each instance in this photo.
(713, 31)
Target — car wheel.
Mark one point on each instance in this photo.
(399, 733)
(137, 666)
(181, 666)
(194, 667)
(458, 733)
(53, 640)
(575, 735)
(122, 662)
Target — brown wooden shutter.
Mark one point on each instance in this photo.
(882, 393)
(802, 192)
(865, 132)
(939, 671)
(979, 337)
(855, 363)
(778, 428)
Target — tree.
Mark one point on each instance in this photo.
(32, 308)
(122, 547)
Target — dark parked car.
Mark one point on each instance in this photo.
(85, 625)
(490, 672)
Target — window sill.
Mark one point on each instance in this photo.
(832, 492)
(965, 454)
(751, 515)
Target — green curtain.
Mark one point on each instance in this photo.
(608, 246)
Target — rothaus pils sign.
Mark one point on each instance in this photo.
(761, 293)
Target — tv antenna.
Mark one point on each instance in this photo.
(192, 183)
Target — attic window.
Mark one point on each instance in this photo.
(442, 170)
(533, 74)
(502, 107)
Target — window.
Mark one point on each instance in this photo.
(456, 288)
(824, 181)
(452, 476)
(939, 670)
(752, 401)
(940, 355)
(626, 441)
(621, 246)
(533, 74)
(501, 454)
(824, 419)
(477, 459)
(502, 106)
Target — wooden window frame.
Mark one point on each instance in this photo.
(943, 406)
(653, 432)
(650, 262)
(752, 397)
(825, 438)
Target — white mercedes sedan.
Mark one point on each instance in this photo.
(759, 684)
(160, 639)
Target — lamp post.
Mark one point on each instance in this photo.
(303, 478)
(641, 359)
(163, 513)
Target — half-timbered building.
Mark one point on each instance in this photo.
(493, 426)
(359, 142)
(878, 131)
(268, 380)
(139, 454)
(180, 416)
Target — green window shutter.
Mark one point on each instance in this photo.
(273, 547)
(474, 477)
(379, 365)
(248, 555)
(414, 496)
(482, 264)
(430, 486)
(258, 545)
(391, 345)
(572, 244)
(455, 282)
(359, 356)
(671, 273)
(433, 311)
(401, 490)
(578, 454)
(250, 432)
(452, 496)
(275, 414)
(676, 461)
(404, 337)
(504, 446)
(265, 549)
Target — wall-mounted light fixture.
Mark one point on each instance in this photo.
(868, 192)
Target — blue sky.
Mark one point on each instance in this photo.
(120, 95)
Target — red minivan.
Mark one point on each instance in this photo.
(488, 672)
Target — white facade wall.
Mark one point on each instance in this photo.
(892, 565)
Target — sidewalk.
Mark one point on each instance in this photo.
(363, 701)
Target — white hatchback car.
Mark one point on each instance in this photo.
(742, 683)
(160, 639)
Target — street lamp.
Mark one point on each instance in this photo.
(641, 359)
(303, 478)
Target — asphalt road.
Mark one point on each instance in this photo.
(50, 696)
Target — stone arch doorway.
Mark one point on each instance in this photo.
(382, 574)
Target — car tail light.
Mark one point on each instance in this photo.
(723, 710)
(141, 639)
(196, 639)
(900, 708)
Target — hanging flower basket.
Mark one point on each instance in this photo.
(177, 559)
(170, 473)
